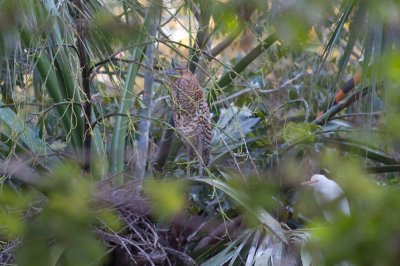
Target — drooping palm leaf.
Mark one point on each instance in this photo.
(263, 216)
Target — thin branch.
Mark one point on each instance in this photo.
(324, 118)
(130, 61)
(195, 10)
(255, 90)
(216, 50)
(357, 114)
(129, 115)
(182, 256)
(245, 61)
(237, 94)
(8, 105)
(173, 16)
(202, 35)
(383, 169)
(208, 55)
(306, 107)
(202, 69)
(113, 56)
(359, 149)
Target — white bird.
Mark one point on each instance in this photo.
(328, 195)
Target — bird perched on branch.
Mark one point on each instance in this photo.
(191, 114)
(328, 195)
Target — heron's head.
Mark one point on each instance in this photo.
(315, 181)
(178, 72)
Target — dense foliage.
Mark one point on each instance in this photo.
(92, 169)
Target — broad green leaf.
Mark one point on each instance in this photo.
(18, 130)
(295, 132)
(232, 129)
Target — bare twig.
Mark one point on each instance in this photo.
(186, 259)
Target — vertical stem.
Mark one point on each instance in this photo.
(85, 74)
(165, 145)
(127, 99)
(139, 168)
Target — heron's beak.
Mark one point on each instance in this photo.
(172, 73)
(309, 182)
